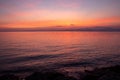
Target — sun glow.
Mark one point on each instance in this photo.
(43, 13)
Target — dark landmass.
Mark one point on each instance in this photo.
(107, 73)
(61, 28)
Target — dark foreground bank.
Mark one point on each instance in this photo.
(107, 73)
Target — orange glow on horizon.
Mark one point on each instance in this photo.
(65, 13)
(32, 24)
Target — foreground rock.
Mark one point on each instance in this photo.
(9, 77)
(52, 75)
(111, 73)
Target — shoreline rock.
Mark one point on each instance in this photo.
(107, 73)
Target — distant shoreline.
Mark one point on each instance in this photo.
(58, 31)
(74, 28)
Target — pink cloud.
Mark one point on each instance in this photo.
(42, 14)
(19, 4)
(68, 4)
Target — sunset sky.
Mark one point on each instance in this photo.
(47, 13)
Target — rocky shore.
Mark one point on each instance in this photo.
(106, 73)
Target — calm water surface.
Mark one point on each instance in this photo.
(58, 50)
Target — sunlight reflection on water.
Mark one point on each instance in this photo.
(59, 50)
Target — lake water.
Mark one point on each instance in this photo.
(58, 50)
